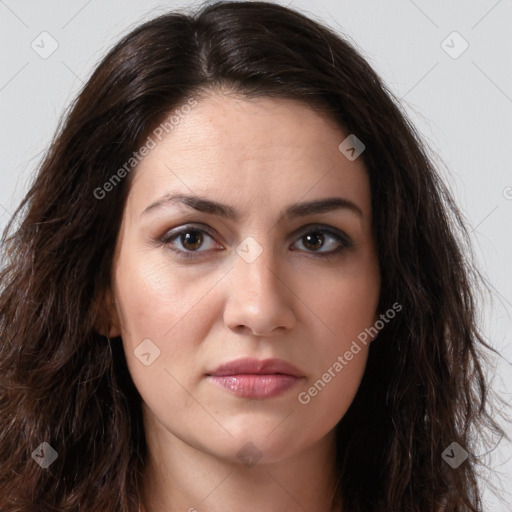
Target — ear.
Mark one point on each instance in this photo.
(107, 323)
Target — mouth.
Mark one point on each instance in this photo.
(254, 378)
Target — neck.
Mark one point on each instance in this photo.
(180, 477)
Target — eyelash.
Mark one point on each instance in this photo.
(340, 237)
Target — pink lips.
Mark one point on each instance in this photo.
(254, 378)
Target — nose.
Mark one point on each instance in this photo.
(260, 300)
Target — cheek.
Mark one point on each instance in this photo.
(345, 306)
(328, 394)
(172, 307)
(330, 390)
(157, 296)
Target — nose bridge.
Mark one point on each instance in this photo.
(256, 266)
(258, 297)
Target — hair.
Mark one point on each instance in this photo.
(64, 383)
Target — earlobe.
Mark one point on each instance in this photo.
(115, 330)
(107, 318)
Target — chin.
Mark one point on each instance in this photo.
(264, 443)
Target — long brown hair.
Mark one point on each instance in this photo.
(63, 383)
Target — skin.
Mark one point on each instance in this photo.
(258, 156)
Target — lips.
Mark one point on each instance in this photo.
(254, 378)
(257, 367)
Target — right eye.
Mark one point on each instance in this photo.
(191, 239)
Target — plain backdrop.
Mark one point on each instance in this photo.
(449, 62)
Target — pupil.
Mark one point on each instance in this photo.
(193, 238)
(319, 238)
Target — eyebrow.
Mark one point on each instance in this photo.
(208, 206)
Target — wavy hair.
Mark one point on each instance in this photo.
(63, 383)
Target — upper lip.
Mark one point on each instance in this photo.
(256, 366)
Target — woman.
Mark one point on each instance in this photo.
(237, 284)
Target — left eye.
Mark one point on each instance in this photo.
(320, 240)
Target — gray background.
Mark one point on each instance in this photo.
(462, 106)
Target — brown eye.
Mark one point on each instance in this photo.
(191, 240)
(316, 239)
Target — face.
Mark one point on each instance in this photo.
(236, 304)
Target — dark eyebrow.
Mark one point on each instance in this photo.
(221, 210)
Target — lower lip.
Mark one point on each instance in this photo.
(256, 386)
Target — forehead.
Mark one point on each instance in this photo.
(261, 151)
